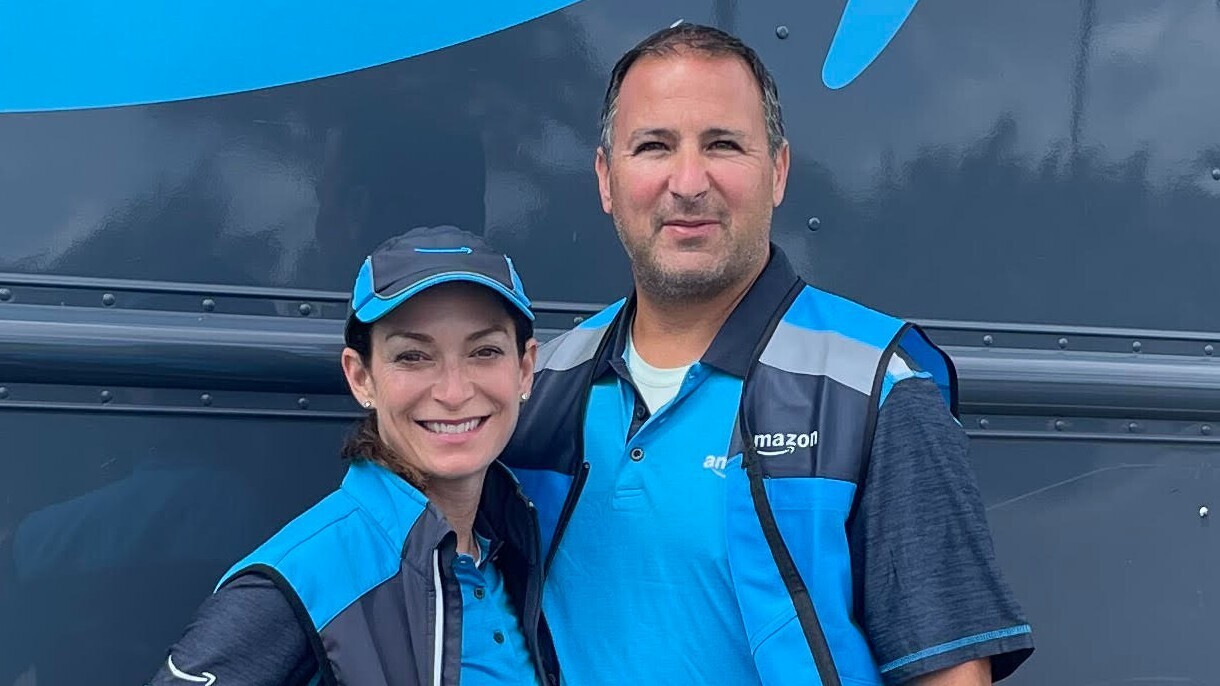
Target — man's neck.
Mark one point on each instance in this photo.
(670, 334)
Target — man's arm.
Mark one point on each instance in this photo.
(929, 594)
(973, 673)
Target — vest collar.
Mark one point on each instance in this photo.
(396, 505)
(733, 348)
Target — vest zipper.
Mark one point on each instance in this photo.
(751, 461)
(438, 647)
(578, 485)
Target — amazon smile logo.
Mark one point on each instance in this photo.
(781, 443)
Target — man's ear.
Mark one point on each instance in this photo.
(359, 379)
(783, 158)
(602, 166)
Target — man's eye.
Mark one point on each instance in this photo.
(649, 146)
(725, 145)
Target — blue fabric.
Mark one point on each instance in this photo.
(931, 360)
(821, 311)
(351, 539)
(373, 306)
(644, 554)
(548, 490)
(485, 661)
(774, 635)
(810, 513)
(954, 645)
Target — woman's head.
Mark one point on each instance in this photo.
(440, 348)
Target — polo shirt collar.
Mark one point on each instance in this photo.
(733, 348)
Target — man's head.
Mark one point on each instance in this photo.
(692, 162)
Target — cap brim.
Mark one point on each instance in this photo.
(377, 307)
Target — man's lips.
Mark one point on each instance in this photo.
(690, 227)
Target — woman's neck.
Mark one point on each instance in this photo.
(458, 500)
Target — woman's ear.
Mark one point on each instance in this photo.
(528, 360)
(359, 379)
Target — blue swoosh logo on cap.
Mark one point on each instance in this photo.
(69, 54)
(463, 250)
(866, 28)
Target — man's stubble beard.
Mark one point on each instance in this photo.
(691, 287)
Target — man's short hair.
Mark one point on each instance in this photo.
(709, 41)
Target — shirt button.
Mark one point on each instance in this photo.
(479, 592)
(498, 637)
(637, 454)
(640, 411)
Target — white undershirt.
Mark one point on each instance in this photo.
(657, 386)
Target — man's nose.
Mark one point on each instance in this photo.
(689, 179)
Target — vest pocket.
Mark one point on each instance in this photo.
(811, 514)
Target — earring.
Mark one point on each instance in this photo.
(367, 404)
(525, 396)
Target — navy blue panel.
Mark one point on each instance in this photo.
(114, 528)
(1132, 562)
(784, 431)
(1030, 145)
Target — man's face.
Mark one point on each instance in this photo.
(689, 180)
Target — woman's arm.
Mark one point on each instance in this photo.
(245, 635)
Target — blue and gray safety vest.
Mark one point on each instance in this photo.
(369, 572)
(822, 362)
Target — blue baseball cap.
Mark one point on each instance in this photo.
(424, 257)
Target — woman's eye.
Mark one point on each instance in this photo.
(410, 356)
(488, 352)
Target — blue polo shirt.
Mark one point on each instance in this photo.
(493, 647)
(644, 556)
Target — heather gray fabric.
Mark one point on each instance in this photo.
(246, 633)
(925, 572)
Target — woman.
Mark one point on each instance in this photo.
(424, 567)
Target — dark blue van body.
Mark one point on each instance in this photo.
(186, 191)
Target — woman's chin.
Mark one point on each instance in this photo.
(458, 467)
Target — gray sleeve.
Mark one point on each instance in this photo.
(929, 593)
(246, 634)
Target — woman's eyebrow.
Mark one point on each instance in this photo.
(497, 328)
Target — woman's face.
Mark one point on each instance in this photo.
(445, 378)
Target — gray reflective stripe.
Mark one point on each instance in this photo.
(438, 647)
(823, 353)
(570, 350)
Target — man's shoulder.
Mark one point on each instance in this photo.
(576, 346)
(822, 310)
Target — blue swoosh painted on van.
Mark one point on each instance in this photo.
(866, 28)
(71, 54)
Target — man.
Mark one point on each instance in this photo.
(742, 479)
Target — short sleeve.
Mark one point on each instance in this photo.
(929, 593)
(246, 633)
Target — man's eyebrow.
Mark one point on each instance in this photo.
(724, 133)
(655, 132)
